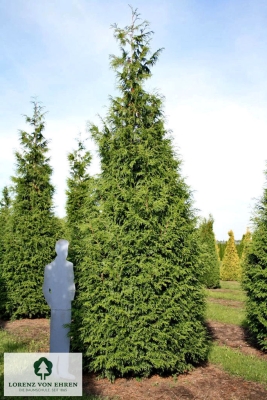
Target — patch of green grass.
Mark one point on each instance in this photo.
(9, 344)
(233, 285)
(236, 363)
(225, 314)
(233, 295)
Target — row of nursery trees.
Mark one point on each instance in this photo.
(140, 255)
(230, 267)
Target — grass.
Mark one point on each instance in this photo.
(8, 344)
(236, 363)
(230, 285)
(228, 315)
(231, 295)
(231, 360)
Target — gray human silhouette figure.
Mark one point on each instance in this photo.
(59, 290)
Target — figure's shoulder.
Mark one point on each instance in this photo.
(69, 264)
(50, 266)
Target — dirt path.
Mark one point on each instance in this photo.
(204, 383)
(228, 303)
(208, 383)
(236, 337)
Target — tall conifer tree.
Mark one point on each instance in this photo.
(231, 268)
(211, 262)
(33, 227)
(140, 305)
(255, 274)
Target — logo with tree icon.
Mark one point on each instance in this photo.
(43, 367)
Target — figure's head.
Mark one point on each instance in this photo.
(62, 248)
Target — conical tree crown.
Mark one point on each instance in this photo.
(33, 228)
(230, 268)
(210, 254)
(79, 194)
(142, 249)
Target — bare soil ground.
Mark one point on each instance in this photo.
(204, 383)
(236, 337)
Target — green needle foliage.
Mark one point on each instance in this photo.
(246, 242)
(211, 262)
(255, 275)
(140, 306)
(221, 248)
(5, 205)
(33, 228)
(80, 193)
(5, 209)
(231, 268)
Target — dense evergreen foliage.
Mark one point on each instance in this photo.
(255, 274)
(140, 304)
(221, 247)
(239, 244)
(79, 185)
(5, 206)
(4, 216)
(32, 226)
(230, 267)
(246, 242)
(211, 262)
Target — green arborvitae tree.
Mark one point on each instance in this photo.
(140, 305)
(239, 246)
(33, 228)
(211, 262)
(5, 207)
(246, 243)
(231, 268)
(79, 193)
(255, 274)
(221, 248)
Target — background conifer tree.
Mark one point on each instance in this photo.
(211, 262)
(5, 205)
(79, 195)
(33, 228)
(230, 267)
(221, 247)
(5, 209)
(140, 305)
(246, 242)
(255, 274)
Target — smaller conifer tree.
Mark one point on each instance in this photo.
(4, 215)
(231, 268)
(221, 247)
(32, 228)
(5, 209)
(246, 242)
(79, 195)
(211, 262)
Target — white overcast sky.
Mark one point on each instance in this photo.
(212, 73)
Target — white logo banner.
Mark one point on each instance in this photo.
(43, 374)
